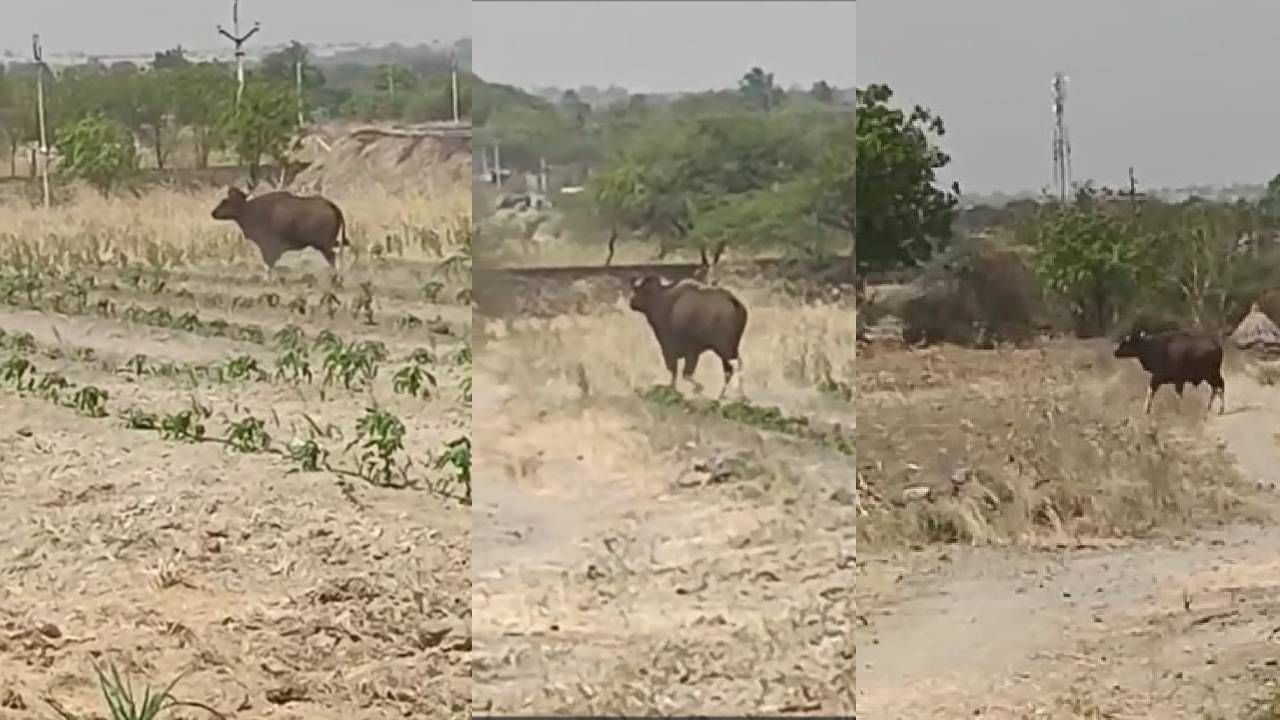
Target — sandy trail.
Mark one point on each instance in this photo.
(1171, 629)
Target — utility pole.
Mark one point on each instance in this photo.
(453, 72)
(391, 82)
(497, 164)
(297, 80)
(235, 37)
(37, 52)
(1061, 142)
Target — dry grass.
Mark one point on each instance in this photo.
(173, 228)
(1022, 445)
(279, 588)
(788, 350)
(674, 561)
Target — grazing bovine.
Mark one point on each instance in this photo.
(1177, 358)
(280, 221)
(689, 318)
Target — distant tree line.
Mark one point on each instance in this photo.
(750, 169)
(174, 103)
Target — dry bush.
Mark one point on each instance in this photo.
(169, 228)
(1032, 443)
(981, 292)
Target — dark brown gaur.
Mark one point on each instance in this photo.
(689, 318)
(280, 221)
(1176, 358)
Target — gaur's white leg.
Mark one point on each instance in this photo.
(737, 371)
(1151, 393)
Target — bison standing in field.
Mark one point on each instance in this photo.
(280, 221)
(1177, 358)
(689, 318)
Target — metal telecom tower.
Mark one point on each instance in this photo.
(1061, 143)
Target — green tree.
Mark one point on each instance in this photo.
(575, 108)
(835, 184)
(261, 126)
(98, 150)
(822, 92)
(1089, 258)
(171, 59)
(902, 217)
(758, 89)
(201, 92)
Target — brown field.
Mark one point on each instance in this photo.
(275, 589)
(1034, 546)
(642, 554)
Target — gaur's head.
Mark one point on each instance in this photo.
(644, 290)
(231, 205)
(1131, 344)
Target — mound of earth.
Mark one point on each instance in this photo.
(401, 158)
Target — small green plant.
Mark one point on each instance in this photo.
(294, 365)
(184, 426)
(457, 458)
(380, 436)
(90, 401)
(249, 435)
(353, 365)
(413, 380)
(122, 704)
(431, 291)
(288, 337)
(51, 385)
(17, 371)
(242, 367)
(307, 454)
(137, 365)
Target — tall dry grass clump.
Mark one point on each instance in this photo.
(790, 348)
(1021, 446)
(173, 228)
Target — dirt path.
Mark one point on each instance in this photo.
(1175, 629)
(603, 583)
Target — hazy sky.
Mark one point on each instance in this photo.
(662, 46)
(1183, 90)
(129, 26)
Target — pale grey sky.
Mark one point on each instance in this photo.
(1183, 90)
(662, 46)
(110, 27)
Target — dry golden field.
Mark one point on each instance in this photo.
(262, 488)
(638, 550)
(1033, 545)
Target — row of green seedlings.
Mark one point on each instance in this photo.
(353, 365)
(762, 417)
(28, 288)
(379, 433)
(360, 307)
(72, 297)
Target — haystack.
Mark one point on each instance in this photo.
(398, 159)
(1256, 332)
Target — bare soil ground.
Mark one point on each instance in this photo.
(275, 590)
(1141, 590)
(634, 555)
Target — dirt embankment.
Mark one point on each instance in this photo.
(415, 159)
(1167, 620)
